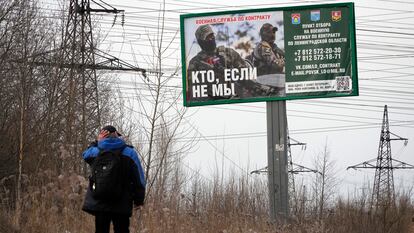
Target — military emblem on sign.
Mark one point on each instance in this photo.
(315, 15)
(336, 16)
(295, 18)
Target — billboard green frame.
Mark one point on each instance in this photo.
(352, 38)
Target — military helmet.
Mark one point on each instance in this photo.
(267, 28)
(203, 31)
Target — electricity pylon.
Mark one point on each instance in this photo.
(293, 169)
(74, 87)
(77, 70)
(383, 192)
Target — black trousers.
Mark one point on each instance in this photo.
(103, 223)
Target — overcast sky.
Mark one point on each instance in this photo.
(350, 126)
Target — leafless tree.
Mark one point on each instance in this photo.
(23, 36)
(325, 183)
(163, 119)
(32, 98)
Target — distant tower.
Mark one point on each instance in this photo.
(384, 178)
(291, 177)
(383, 192)
(293, 169)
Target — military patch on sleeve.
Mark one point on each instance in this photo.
(266, 48)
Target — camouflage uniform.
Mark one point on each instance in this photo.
(221, 59)
(218, 60)
(267, 57)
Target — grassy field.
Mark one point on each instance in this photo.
(236, 205)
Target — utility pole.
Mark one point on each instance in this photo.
(76, 68)
(383, 192)
(75, 80)
(291, 177)
(277, 160)
(293, 169)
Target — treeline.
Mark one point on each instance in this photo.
(48, 108)
(52, 106)
(51, 111)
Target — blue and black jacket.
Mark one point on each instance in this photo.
(135, 180)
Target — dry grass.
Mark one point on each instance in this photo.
(236, 205)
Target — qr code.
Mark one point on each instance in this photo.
(343, 83)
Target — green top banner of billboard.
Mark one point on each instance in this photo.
(269, 54)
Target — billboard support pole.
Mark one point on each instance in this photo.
(277, 160)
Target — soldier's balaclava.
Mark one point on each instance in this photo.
(268, 33)
(205, 38)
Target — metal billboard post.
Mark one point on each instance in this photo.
(277, 160)
(318, 61)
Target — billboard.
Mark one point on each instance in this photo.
(269, 54)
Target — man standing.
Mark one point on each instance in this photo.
(267, 57)
(116, 184)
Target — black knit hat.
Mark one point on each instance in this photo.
(111, 129)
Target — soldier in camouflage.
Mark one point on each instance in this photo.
(213, 58)
(267, 57)
(217, 59)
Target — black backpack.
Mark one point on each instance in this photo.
(107, 178)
